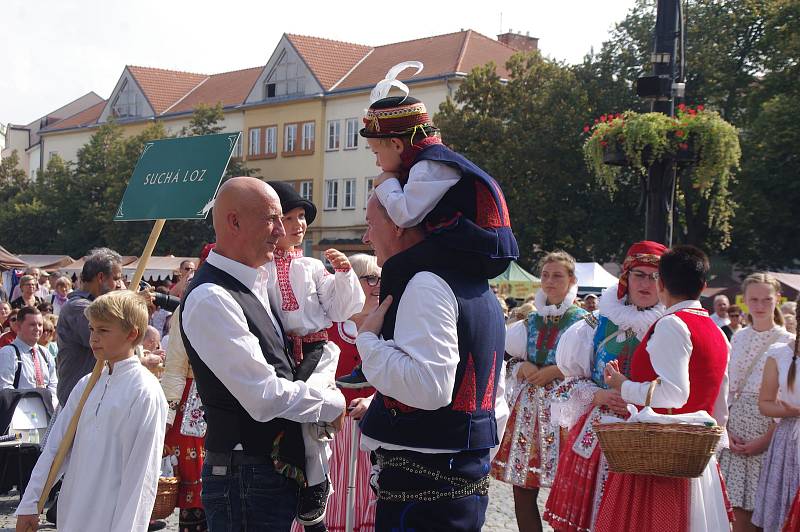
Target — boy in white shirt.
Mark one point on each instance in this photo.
(111, 472)
(308, 299)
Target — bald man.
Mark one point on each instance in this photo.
(244, 374)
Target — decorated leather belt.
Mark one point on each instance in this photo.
(458, 486)
(298, 341)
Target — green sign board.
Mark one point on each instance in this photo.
(177, 179)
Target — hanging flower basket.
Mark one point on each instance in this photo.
(696, 137)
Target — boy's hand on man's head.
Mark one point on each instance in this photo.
(383, 177)
(337, 259)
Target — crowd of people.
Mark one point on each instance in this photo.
(382, 392)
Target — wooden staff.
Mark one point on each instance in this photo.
(69, 435)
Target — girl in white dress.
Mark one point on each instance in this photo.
(750, 431)
(780, 470)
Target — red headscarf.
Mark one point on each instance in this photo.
(644, 253)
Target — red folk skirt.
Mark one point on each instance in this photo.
(572, 497)
(792, 523)
(190, 451)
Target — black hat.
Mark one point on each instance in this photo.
(290, 199)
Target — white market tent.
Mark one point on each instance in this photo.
(158, 268)
(592, 277)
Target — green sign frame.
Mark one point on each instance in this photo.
(177, 178)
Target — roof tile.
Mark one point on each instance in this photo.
(84, 118)
(329, 60)
(163, 88)
(229, 88)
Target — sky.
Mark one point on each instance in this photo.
(53, 51)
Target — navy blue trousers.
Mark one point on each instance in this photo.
(465, 514)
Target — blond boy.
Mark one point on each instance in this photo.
(111, 472)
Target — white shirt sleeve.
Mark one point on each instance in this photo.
(418, 367)
(670, 348)
(501, 411)
(574, 350)
(216, 326)
(52, 374)
(517, 340)
(30, 501)
(141, 460)
(8, 367)
(340, 294)
(428, 181)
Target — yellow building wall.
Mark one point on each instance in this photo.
(296, 167)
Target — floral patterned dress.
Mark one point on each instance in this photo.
(528, 453)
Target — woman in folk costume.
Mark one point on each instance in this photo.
(688, 354)
(308, 299)
(343, 334)
(779, 398)
(529, 450)
(184, 434)
(626, 313)
(750, 432)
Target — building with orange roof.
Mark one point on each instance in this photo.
(299, 114)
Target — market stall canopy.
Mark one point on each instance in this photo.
(76, 267)
(49, 263)
(515, 282)
(592, 277)
(9, 261)
(792, 280)
(158, 268)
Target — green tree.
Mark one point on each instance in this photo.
(526, 133)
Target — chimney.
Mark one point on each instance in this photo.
(517, 41)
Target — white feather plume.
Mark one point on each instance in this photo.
(383, 87)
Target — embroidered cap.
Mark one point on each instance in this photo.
(397, 116)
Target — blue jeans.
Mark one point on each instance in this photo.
(249, 498)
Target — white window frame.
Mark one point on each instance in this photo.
(307, 140)
(271, 140)
(334, 135)
(237, 149)
(307, 190)
(331, 194)
(369, 187)
(351, 139)
(254, 142)
(349, 194)
(290, 140)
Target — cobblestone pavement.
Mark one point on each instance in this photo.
(499, 517)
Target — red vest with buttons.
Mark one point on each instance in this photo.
(707, 363)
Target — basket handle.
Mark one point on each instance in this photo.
(650, 390)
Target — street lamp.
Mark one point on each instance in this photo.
(661, 88)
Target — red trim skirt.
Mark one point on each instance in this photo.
(644, 502)
(190, 451)
(792, 523)
(570, 504)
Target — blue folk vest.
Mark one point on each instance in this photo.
(468, 422)
(472, 216)
(609, 346)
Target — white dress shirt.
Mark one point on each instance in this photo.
(111, 471)
(418, 367)
(27, 377)
(428, 182)
(217, 329)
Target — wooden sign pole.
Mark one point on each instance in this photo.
(69, 435)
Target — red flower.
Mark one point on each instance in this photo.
(692, 112)
(682, 106)
(602, 118)
(679, 133)
(683, 146)
(586, 129)
(603, 143)
(700, 107)
(596, 121)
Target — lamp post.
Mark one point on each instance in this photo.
(661, 88)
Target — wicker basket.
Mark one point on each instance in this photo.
(166, 497)
(666, 450)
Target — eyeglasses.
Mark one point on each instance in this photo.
(372, 280)
(731, 315)
(641, 276)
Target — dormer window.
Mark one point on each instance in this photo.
(128, 103)
(286, 78)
